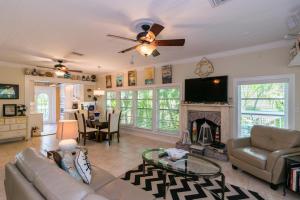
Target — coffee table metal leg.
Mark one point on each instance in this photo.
(223, 186)
(165, 183)
(144, 167)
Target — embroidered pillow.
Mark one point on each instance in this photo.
(67, 164)
(83, 167)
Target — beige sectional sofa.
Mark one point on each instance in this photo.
(262, 154)
(34, 177)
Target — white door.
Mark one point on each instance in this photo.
(45, 101)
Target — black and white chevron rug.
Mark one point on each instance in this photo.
(182, 189)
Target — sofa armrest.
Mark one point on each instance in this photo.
(237, 143)
(275, 155)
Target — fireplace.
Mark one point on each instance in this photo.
(217, 116)
(211, 118)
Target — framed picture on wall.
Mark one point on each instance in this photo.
(149, 75)
(132, 78)
(166, 72)
(108, 81)
(9, 110)
(9, 91)
(119, 80)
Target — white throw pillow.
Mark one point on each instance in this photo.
(83, 167)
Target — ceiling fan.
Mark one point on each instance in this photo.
(59, 68)
(147, 40)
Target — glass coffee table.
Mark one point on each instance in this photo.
(189, 166)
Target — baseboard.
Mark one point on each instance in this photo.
(150, 135)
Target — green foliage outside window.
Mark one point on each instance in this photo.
(263, 104)
(111, 100)
(126, 107)
(168, 111)
(144, 112)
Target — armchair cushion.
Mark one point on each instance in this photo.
(251, 155)
(272, 139)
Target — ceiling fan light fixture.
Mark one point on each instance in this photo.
(59, 73)
(146, 49)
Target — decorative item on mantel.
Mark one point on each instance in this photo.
(204, 68)
(205, 135)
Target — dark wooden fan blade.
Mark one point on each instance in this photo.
(155, 53)
(129, 49)
(122, 38)
(175, 42)
(156, 29)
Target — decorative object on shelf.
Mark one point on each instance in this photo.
(49, 74)
(119, 80)
(21, 110)
(67, 75)
(9, 110)
(41, 73)
(204, 68)
(149, 75)
(166, 72)
(67, 132)
(27, 71)
(194, 132)
(9, 91)
(108, 81)
(83, 78)
(87, 78)
(93, 78)
(205, 136)
(132, 78)
(34, 72)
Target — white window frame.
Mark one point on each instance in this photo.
(132, 108)
(154, 129)
(288, 78)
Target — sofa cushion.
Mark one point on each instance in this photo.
(122, 190)
(56, 184)
(100, 178)
(251, 155)
(29, 162)
(95, 197)
(272, 139)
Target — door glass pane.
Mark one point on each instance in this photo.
(43, 105)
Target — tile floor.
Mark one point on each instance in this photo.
(119, 158)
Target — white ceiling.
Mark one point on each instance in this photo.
(33, 28)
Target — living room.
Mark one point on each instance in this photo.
(162, 99)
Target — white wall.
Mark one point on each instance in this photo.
(266, 62)
(12, 75)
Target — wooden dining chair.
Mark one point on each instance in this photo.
(83, 129)
(113, 127)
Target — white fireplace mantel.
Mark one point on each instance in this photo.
(224, 109)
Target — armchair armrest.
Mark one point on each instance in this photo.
(275, 155)
(238, 143)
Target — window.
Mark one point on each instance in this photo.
(144, 109)
(111, 100)
(126, 107)
(264, 102)
(168, 109)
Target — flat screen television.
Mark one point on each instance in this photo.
(9, 91)
(207, 90)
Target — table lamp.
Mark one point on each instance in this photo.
(67, 132)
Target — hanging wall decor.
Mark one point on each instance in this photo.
(166, 72)
(119, 80)
(108, 81)
(149, 75)
(132, 78)
(204, 68)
